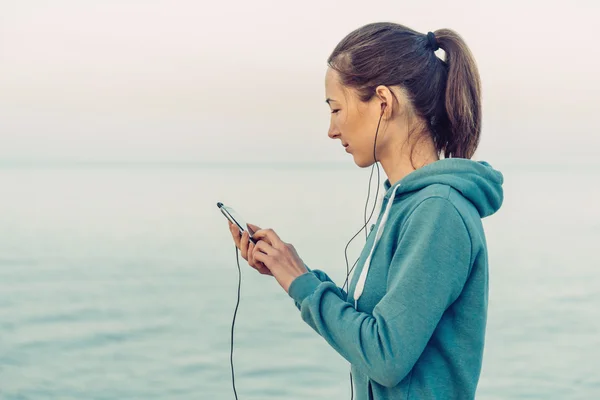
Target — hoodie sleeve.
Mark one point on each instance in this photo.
(427, 273)
(323, 277)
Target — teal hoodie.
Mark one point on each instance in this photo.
(412, 324)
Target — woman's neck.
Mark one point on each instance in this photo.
(398, 164)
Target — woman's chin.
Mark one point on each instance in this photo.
(362, 162)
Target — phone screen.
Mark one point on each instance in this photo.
(236, 219)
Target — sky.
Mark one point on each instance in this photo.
(243, 81)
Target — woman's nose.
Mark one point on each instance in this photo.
(333, 133)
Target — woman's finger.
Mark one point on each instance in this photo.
(263, 270)
(251, 255)
(262, 258)
(244, 240)
(235, 234)
(257, 265)
(269, 236)
(253, 228)
(263, 247)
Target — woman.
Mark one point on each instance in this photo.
(412, 323)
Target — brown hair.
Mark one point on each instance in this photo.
(445, 93)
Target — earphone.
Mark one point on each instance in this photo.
(348, 271)
(383, 106)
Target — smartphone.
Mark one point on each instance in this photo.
(235, 218)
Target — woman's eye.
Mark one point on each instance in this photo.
(334, 111)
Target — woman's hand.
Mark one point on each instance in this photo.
(280, 258)
(246, 247)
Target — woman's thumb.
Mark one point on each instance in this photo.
(253, 228)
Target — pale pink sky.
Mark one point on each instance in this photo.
(240, 80)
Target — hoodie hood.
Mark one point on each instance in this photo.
(477, 181)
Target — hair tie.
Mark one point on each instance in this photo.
(432, 41)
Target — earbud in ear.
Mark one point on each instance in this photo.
(383, 106)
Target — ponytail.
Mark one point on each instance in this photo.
(446, 94)
(462, 96)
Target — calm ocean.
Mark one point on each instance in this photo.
(119, 282)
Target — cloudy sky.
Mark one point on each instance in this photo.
(158, 80)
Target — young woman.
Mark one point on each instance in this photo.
(412, 323)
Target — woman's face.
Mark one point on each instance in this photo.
(352, 121)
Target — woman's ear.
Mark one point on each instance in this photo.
(385, 98)
(383, 106)
(396, 101)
